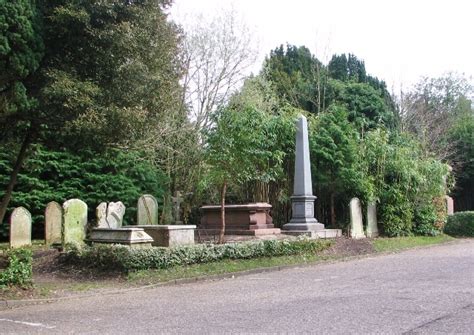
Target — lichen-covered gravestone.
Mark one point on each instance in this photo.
(75, 222)
(147, 210)
(115, 212)
(53, 221)
(449, 205)
(101, 215)
(20, 228)
(372, 229)
(357, 228)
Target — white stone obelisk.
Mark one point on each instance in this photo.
(302, 201)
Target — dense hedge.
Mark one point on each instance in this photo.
(61, 175)
(19, 269)
(129, 259)
(460, 224)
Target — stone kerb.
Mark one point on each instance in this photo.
(53, 222)
(20, 228)
(357, 228)
(75, 222)
(147, 210)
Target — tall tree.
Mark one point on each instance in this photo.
(297, 76)
(109, 75)
(218, 53)
(21, 50)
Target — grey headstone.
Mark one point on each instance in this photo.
(101, 215)
(372, 229)
(53, 222)
(20, 228)
(449, 205)
(302, 201)
(75, 222)
(357, 228)
(147, 210)
(115, 212)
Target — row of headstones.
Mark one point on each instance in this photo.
(67, 224)
(357, 228)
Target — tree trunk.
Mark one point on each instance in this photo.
(222, 231)
(16, 169)
(333, 211)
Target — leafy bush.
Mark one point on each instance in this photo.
(128, 259)
(19, 269)
(460, 224)
(61, 175)
(425, 220)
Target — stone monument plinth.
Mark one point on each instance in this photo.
(245, 219)
(302, 201)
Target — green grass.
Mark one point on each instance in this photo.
(400, 243)
(218, 268)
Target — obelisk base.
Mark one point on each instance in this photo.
(302, 218)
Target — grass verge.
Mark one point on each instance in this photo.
(145, 277)
(406, 242)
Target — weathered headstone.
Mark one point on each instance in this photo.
(372, 229)
(101, 215)
(20, 228)
(449, 205)
(177, 201)
(53, 222)
(115, 212)
(75, 222)
(147, 210)
(302, 201)
(357, 228)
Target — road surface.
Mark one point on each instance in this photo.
(422, 291)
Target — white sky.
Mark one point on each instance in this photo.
(398, 40)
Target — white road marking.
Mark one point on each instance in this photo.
(31, 324)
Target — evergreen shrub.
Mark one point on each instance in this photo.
(19, 270)
(50, 175)
(460, 224)
(116, 257)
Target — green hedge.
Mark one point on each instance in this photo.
(460, 224)
(19, 270)
(126, 259)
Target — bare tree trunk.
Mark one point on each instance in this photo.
(222, 231)
(14, 175)
(333, 211)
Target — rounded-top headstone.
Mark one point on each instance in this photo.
(53, 222)
(20, 228)
(75, 222)
(147, 210)
(357, 228)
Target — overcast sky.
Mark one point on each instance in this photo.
(398, 40)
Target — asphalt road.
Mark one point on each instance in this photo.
(423, 291)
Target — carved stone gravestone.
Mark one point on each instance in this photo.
(101, 215)
(53, 222)
(75, 222)
(357, 228)
(147, 210)
(177, 201)
(20, 228)
(115, 212)
(372, 229)
(302, 201)
(449, 205)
